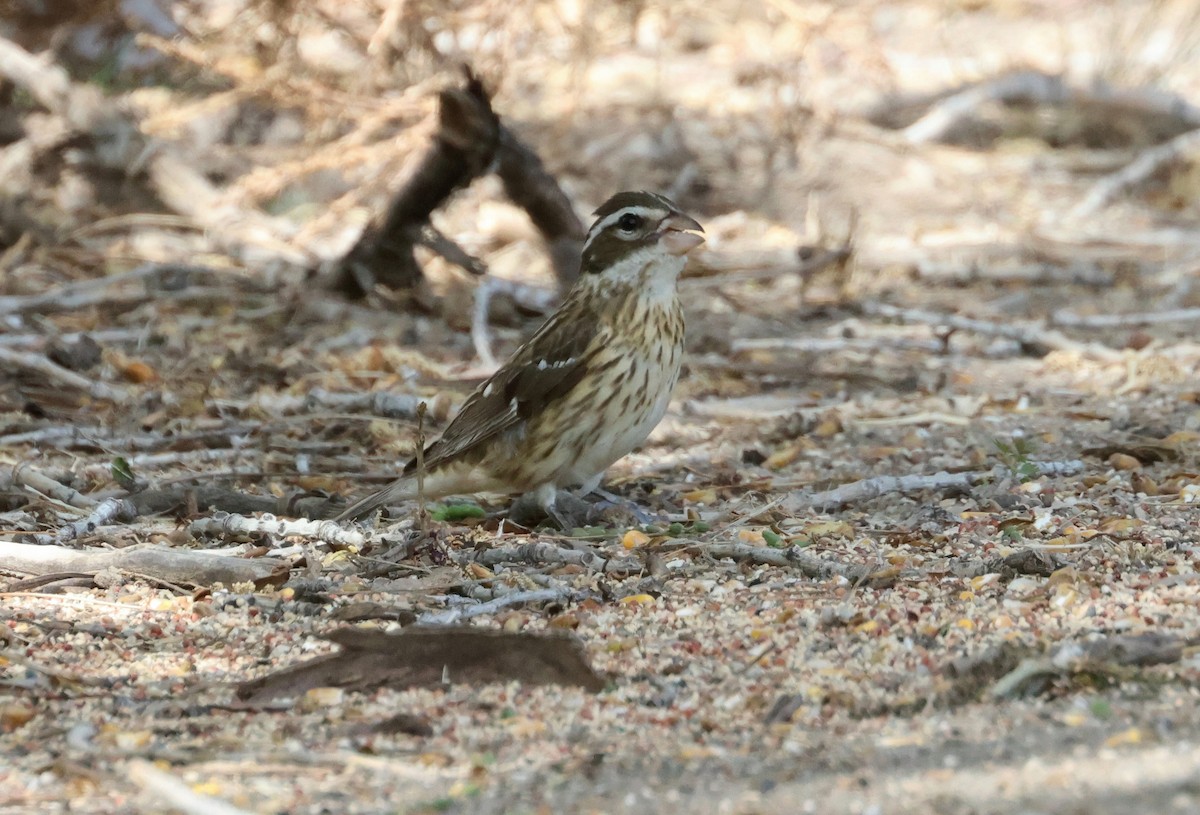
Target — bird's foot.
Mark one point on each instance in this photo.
(569, 511)
(614, 510)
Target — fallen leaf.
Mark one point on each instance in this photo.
(1124, 461)
(426, 656)
(634, 538)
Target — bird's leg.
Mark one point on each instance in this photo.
(610, 502)
(566, 510)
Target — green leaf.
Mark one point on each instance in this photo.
(457, 512)
(773, 540)
(122, 473)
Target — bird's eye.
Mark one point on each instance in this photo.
(629, 222)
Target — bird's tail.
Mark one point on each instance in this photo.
(402, 489)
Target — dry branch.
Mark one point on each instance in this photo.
(870, 488)
(794, 557)
(1045, 89)
(1178, 315)
(24, 475)
(1033, 339)
(382, 403)
(102, 290)
(514, 598)
(223, 523)
(106, 512)
(529, 186)
(825, 345)
(541, 553)
(1183, 147)
(468, 140)
(175, 794)
(180, 566)
(1104, 655)
(38, 364)
(950, 111)
(532, 298)
(468, 132)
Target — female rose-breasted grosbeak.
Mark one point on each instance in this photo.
(585, 389)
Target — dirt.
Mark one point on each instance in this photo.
(943, 646)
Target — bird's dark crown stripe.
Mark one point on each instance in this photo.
(628, 199)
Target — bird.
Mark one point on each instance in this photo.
(587, 387)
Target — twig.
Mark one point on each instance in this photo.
(1137, 172)
(422, 509)
(107, 511)
(1078, 273)
(1034, 339)
(870, 488)
(49, 84)
(45, 435)
(533, 298)
(379, 46)
(793, 557)
(384, 404)
(822, 345)
(944, 115)
(223, 523)
(39, 364)
(171, 793)
(1179, 315)
(25, 475)
(542, 553)
(516, 598)
(429, 237)
(78, 295)
(161, 562)
(97, 291)
(110, 336)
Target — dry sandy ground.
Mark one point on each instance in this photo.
(937, 678)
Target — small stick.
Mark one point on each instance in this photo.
(516, 598)
(876, 486)
(39, 364)
(1136, 173)
(1178, 315)
(422, 513)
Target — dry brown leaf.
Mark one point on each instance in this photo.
(423, 656)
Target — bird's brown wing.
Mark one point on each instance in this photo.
(543, 370)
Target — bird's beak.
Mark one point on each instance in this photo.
(678, 233)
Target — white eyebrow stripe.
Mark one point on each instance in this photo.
(601, 225)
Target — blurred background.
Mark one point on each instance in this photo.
(937, 132)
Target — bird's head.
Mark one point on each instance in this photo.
(638, 233)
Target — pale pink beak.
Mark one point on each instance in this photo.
(677, 234)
